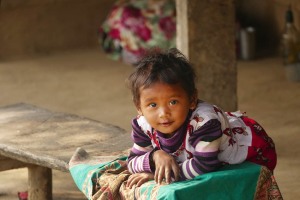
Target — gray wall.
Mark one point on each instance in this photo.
(29, 27)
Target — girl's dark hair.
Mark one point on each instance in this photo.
(170, 67)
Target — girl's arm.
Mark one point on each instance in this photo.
(138, 159)
(206, 141)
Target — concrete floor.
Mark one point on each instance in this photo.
(89, 84)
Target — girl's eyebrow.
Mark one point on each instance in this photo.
(170, 97)
(175, 96)
(149, 99)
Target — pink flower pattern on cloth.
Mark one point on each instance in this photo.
(133, 26)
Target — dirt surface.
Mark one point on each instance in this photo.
(89, 84)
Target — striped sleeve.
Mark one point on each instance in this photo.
(138, 159)
(206, 142)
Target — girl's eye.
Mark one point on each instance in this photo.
(173, 102)
(152, 105)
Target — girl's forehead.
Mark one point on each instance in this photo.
(162, 89)
(161, 85)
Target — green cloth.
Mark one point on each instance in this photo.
(230, 182)
(104, 178)
(85, 175)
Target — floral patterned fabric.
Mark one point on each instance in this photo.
(133, 26)
(100, 179)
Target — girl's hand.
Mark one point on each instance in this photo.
(165, 165)
(138, 179)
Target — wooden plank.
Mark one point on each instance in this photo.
(8, 163)
(18, 155)
(37, 136)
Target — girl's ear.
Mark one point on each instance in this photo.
(140, 111)
(138, 108)
(194, 101)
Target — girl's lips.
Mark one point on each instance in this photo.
(166, 123)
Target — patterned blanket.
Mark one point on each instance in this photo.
(104, 178)
(132, 26)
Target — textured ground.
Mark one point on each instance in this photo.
(88, 84)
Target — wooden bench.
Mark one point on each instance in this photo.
(42, 140)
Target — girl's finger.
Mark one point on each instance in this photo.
(128, 181)
(155, 175)
(168, 175)
(141, 181)
(176, 172)
(132, 182)
(161, 175)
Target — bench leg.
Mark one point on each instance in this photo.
(39, 183)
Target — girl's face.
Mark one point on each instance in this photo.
(165, 106)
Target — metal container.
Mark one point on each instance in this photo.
(247, 42)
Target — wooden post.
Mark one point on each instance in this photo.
(39, 183)
(206, 35)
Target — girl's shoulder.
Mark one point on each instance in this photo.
(142, 123)
(204, 112)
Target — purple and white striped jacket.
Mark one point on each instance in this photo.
(195, 145)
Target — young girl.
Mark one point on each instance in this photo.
(176, 136)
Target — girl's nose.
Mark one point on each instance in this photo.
(164, 112)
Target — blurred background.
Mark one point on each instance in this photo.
(73, 56)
